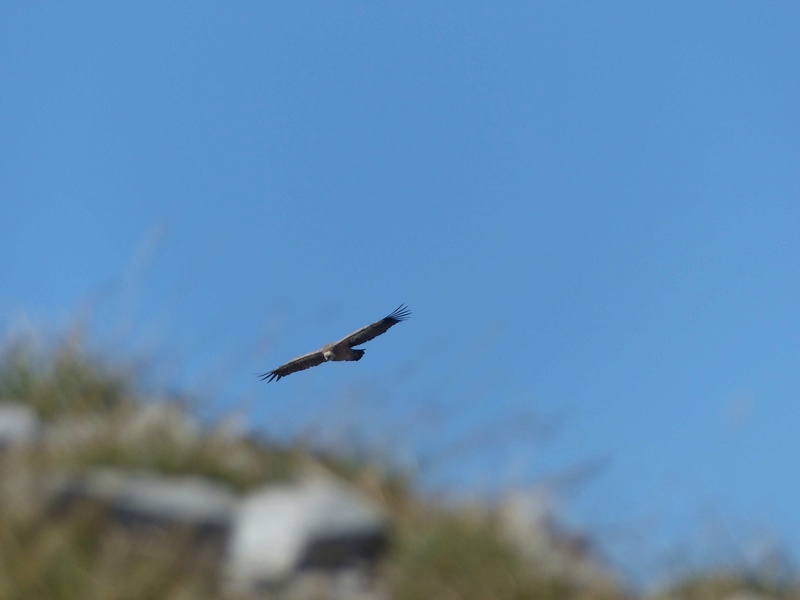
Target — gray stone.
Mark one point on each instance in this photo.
(19, 424)
(317, 524)
(141, 500)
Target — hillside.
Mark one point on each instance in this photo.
(110, 492)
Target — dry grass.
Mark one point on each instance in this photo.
(85, 556)
(96, 411)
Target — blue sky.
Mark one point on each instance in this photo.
(592, 209)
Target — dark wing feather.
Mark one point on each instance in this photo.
(312, 359)
(365, 334)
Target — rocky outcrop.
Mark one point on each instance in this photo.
(317, 524)
(314, 534)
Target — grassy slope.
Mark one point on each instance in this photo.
(437, 553)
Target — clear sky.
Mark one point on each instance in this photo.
(592, 209)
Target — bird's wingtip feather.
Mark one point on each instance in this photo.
(401, 313)
(270, 376)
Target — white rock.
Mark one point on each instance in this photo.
(315, 523)
(19, 424)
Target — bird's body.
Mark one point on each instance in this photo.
(343, 350)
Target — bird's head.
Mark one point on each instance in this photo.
(328, 354)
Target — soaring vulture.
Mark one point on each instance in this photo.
(341, 350)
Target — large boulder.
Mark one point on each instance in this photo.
(316, 524)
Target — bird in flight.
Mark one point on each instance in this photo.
(341, 350)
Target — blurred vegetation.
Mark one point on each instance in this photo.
(85, 556)
(62, 381)
(447, 554)
(98, 415)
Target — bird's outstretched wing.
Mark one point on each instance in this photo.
(312, 359)
(365, 334)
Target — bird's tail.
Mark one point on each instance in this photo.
(359, 354)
